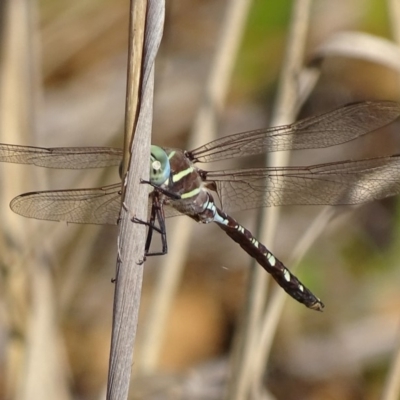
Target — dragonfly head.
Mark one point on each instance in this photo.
(160, 169)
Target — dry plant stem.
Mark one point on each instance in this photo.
(285, 108)
(360, 46)
(394, 17)
(45, 376)
(35, 367)
(131, 240)
(179, 235)
(135, 53)
(391, 389)
(269, 322)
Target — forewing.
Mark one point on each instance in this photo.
(61, 157)
(329, 129)
(339, 183)
(81, 206)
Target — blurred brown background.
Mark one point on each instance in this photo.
(80, 78)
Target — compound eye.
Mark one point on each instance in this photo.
(160, 169)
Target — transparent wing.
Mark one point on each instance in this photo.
(347, 182)
(81, 206)
(335, 127)
(61, 157)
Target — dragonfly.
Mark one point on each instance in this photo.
(179, 186)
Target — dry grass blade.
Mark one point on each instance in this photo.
(361, 46)
(135, 75)
(33, 342)
(148, 18)
(394, 15)
(286, 106)
(269, 322)
(391, 389)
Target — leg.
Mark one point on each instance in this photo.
(166, 192)
(157, 212)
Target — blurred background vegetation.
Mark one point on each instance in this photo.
(79, 100)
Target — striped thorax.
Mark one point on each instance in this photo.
(172, 171)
